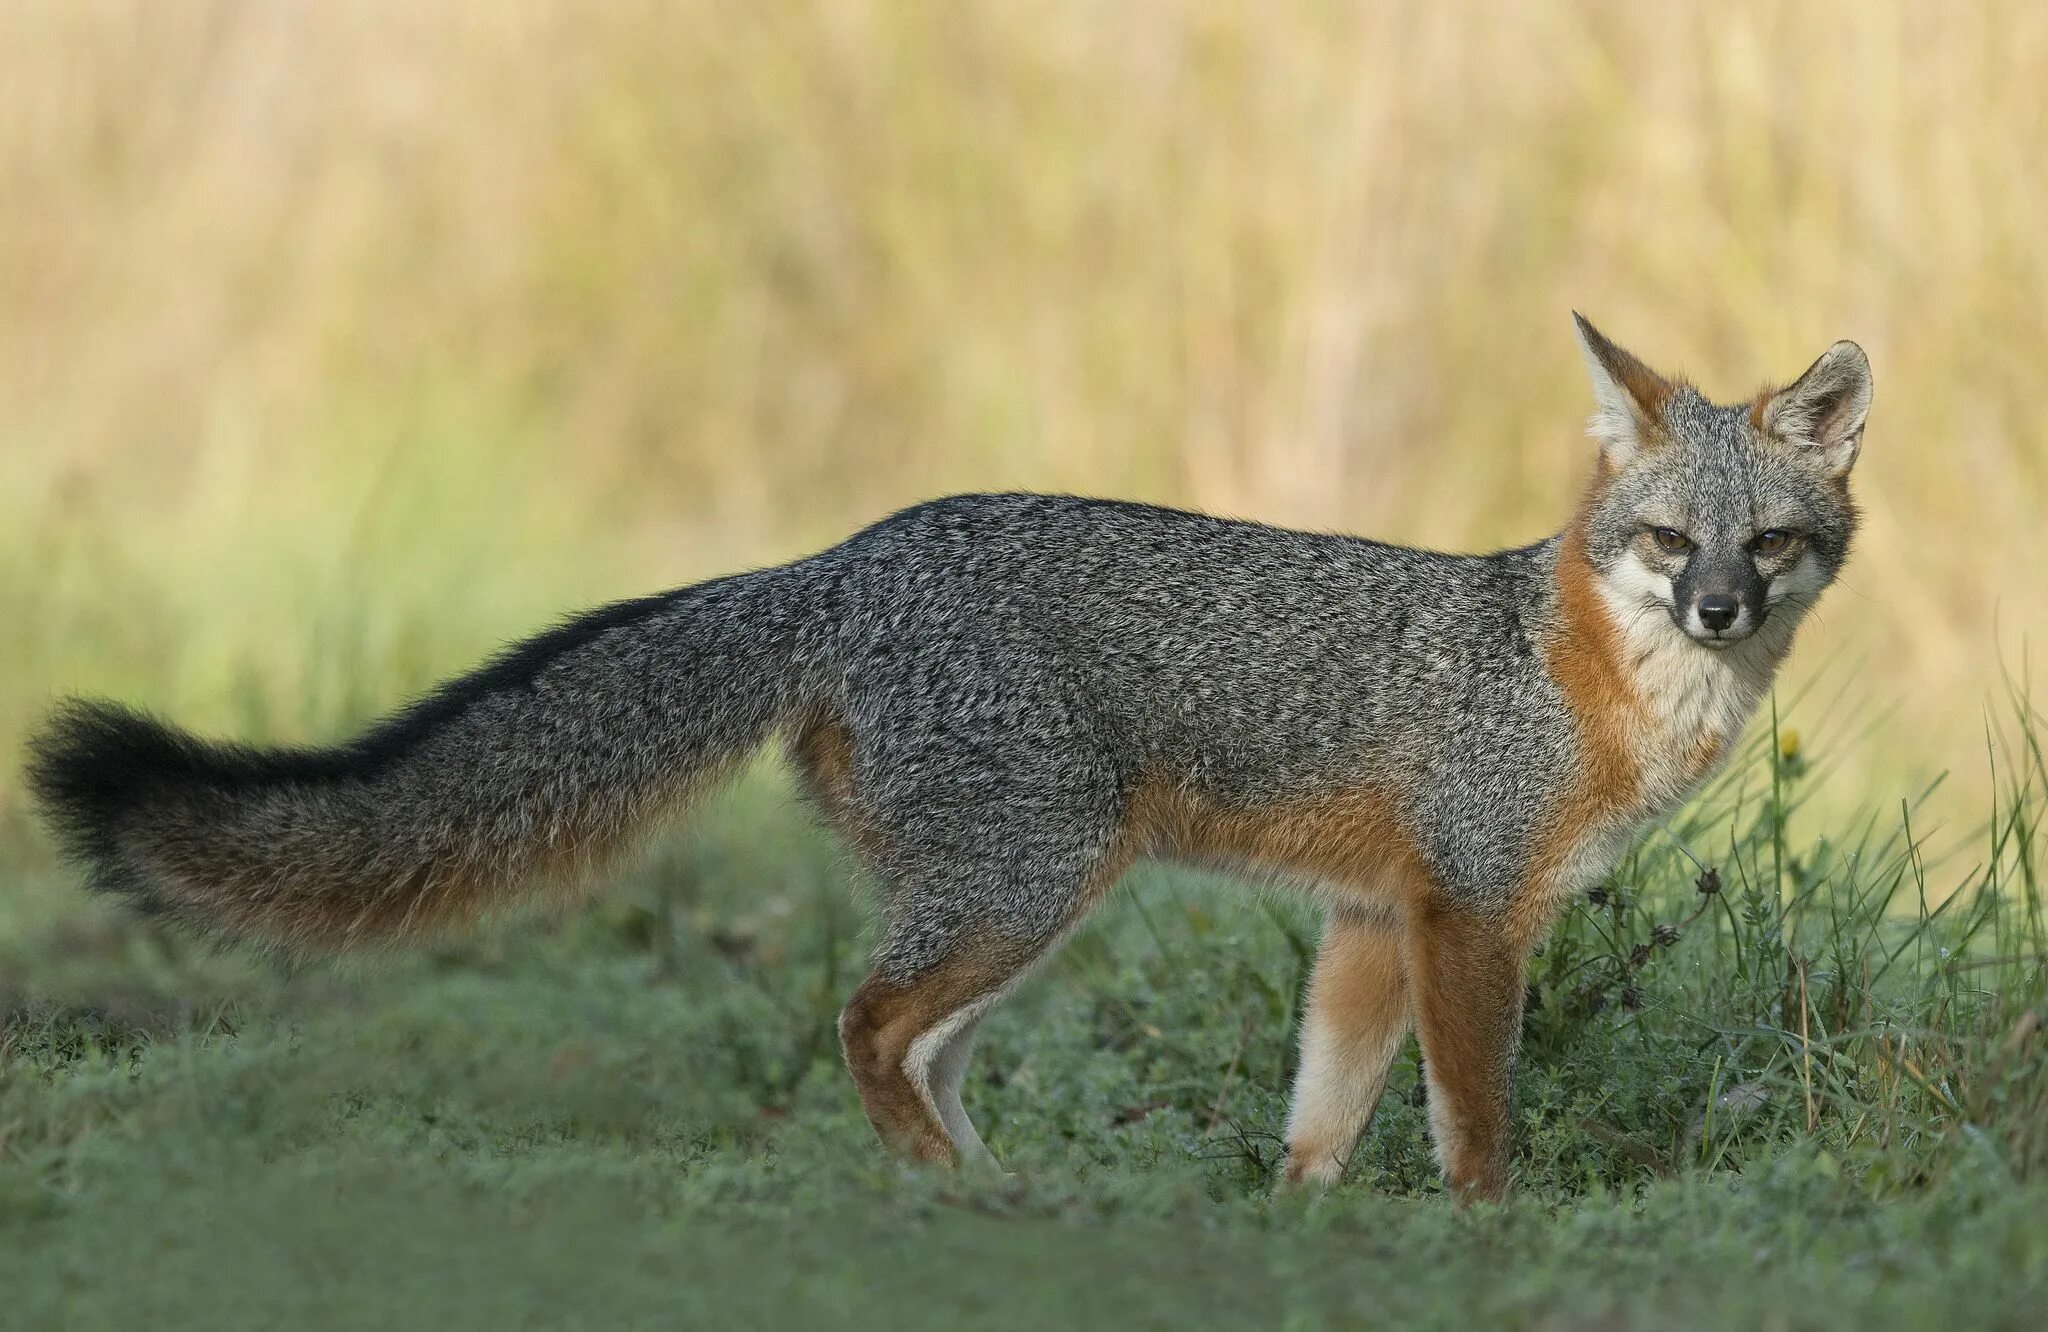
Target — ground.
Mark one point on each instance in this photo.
(1796, 1091)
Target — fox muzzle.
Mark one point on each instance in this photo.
(1719, 602)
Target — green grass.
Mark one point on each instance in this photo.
(1815, 1097)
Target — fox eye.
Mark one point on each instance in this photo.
(1671, 539)
(1771, 541)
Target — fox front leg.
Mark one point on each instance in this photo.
(1357, 1017)
(1466, 978)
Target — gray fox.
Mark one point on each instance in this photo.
(1002, 701)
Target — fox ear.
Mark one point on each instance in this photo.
(1821, 413)
(1628, 396)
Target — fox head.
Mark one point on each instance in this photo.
(1724, 518)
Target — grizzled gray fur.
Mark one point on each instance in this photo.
(1013, 666)
(1009, 667)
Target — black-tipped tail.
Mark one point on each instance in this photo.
(93, 764)
(523, 773)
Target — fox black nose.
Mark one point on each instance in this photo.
(1718, 610)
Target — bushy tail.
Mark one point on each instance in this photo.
(520, 774)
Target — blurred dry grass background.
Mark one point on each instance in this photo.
(339, 343)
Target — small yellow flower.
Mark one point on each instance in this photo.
(1788, 745)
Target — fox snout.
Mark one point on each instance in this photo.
(1717, 607)
(1718, 611)
(1719, 618)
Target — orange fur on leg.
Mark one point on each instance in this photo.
(1357, 1018)
(898, 1037)
(1466, 979)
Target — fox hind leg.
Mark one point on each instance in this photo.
(957, 942)
(944, 1069)
(991, 840)
(908, 1031)
(906, 1043)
